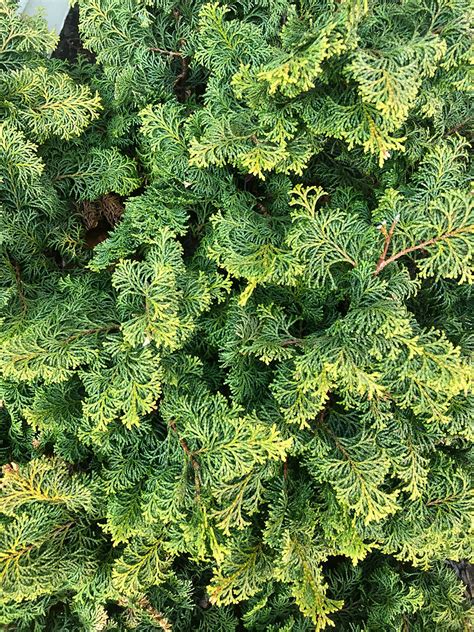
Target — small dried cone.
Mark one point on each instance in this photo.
(8, 468)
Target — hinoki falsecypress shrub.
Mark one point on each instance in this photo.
(235, 267)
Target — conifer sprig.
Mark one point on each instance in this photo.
(236, 317)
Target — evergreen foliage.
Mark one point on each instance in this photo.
(236, 327)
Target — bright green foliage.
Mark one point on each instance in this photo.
(236, 327)
(48, 104)
(98, 172)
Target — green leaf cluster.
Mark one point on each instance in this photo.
(236, 317)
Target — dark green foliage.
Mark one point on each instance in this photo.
(236, 327)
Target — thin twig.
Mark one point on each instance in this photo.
(322, 415)
(145, 606)
(19, 285)
(429, 242)
(183, 75)
(388, 234)
(189, 453)
(156, 616)
(291, 341)
(89, 332)
(457, 127)
(171, 53)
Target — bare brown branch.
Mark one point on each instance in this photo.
(170, 53)
(388, 234)
(291, 341)
(428, 242)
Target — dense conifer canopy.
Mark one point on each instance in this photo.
(236, 325)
